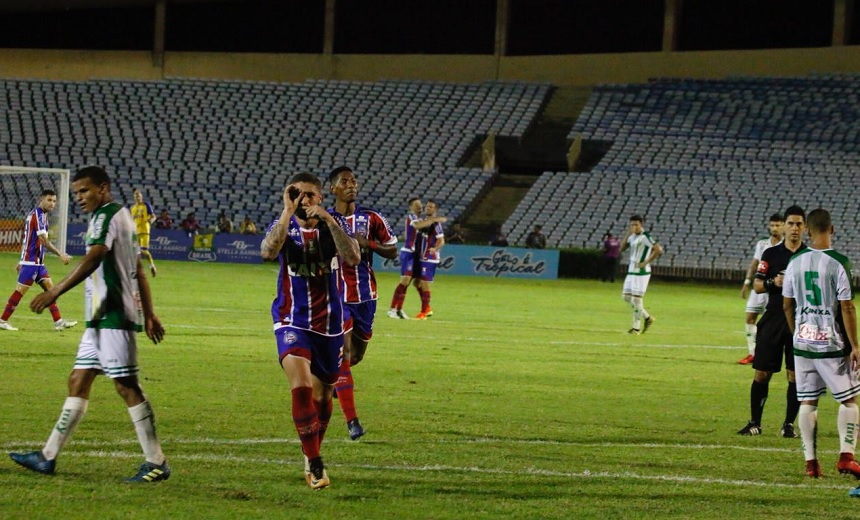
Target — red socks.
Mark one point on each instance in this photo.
(55, 312)
(425, 300)
(307, 421)
(397, 300)
(324, 414)
(13, 302)
(345, 392)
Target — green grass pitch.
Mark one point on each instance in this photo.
(518, 399)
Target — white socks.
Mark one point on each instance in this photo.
(73, 411)
(807, 420)
(751, 332)
(144, 425)
(847, 426)
(639, 311)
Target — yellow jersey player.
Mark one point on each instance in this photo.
(143, 217)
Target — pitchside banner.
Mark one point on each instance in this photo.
(170, 244)
(509, 262)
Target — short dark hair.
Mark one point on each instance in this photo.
(794, 210)
(819, 220)
(95, 173)
(45, 193)
(431, 201)
(776, 217)
(411, 200)
(332, 176)
(306, 177)
(638, 218)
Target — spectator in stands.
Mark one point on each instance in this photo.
(499, 239)
(164, 221)
(536, 239)
(225, 224)
(248, 227)
(190, 225)
(611, 254)
(455, 234)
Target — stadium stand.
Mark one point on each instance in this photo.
(706, 161)
(208, 145)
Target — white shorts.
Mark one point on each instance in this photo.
(756, 302)
(113, 351)
(636, 284)
(815, 376)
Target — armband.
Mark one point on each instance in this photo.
(747, 282)
(768, 284)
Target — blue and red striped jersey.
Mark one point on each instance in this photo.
(359, 282)
(35, 226)
(411, 233)
(429, 238)
(308, 296)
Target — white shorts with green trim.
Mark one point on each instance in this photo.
(636, 284)
(756, 302)
(112, 351)
(815, 376)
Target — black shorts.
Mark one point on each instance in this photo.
(773, 341)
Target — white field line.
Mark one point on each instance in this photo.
(471, 441)
(585, 474)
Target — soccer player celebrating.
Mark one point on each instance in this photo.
(428, 258)
(308, 309)
(409, 259)
(143, 218)
(31, 267)
(374, 235)
(817, 304)
(118, 304)
(757, 302)
(643, 251)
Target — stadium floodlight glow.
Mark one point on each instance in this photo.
(20, 188)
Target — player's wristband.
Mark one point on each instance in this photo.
(768, 284)
(747, 282)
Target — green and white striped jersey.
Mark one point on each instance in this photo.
(112, 292)
(640, 247)
(818, 280)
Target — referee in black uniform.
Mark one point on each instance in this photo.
(774, 339)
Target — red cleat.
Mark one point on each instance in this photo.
(847, 464)
(747, 360)
(813, 469)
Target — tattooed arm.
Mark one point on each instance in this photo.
(347, 247)
(274, 240)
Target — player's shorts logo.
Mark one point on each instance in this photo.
(290, 338)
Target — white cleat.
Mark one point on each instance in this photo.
(64, 324)
(5, 325)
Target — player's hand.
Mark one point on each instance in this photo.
(362, 241)
(745, 292)
(318, 212)
(154, 329)
(777, 280)
(65, 259)
(43, 301)
(854, 359)
(291, 199)
(641, 265)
